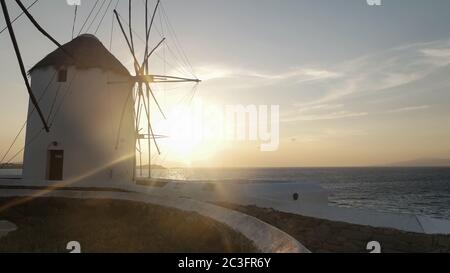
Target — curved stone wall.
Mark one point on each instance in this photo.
(266, 238)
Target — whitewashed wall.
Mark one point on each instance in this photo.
(85, 127)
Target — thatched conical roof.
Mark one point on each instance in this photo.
(86, 52)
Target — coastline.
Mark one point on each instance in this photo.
(325, 236)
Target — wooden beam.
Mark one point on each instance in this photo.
(40, 29)
(152, 51)
(130, 22)
(18, 16)
(147, 33)
(161, 79)
(147, 36)
(136, 65)
(22, 67)
(147, 112)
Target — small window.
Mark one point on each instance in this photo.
(62, 75)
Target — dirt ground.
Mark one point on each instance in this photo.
(48, 224)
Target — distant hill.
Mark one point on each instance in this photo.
(423, 162)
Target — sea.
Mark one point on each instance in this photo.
(422, 191)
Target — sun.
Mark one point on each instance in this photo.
(186, 138)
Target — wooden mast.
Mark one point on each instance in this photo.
(145, 64)
(143, 78)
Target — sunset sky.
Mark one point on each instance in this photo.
(357, 85)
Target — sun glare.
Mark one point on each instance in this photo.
(186, 134)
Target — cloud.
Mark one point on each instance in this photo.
(331, 91)
(319, 112)
(298, 75)
(438, 56)
(408, 109)
(207, 73)
(385, 70)
(303, 109)
(325, 116)
(326, 135)
(439, 53)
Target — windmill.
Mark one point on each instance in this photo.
(73, 143)
(143, 78)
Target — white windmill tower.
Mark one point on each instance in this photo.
(81, 107)
(82, 126)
